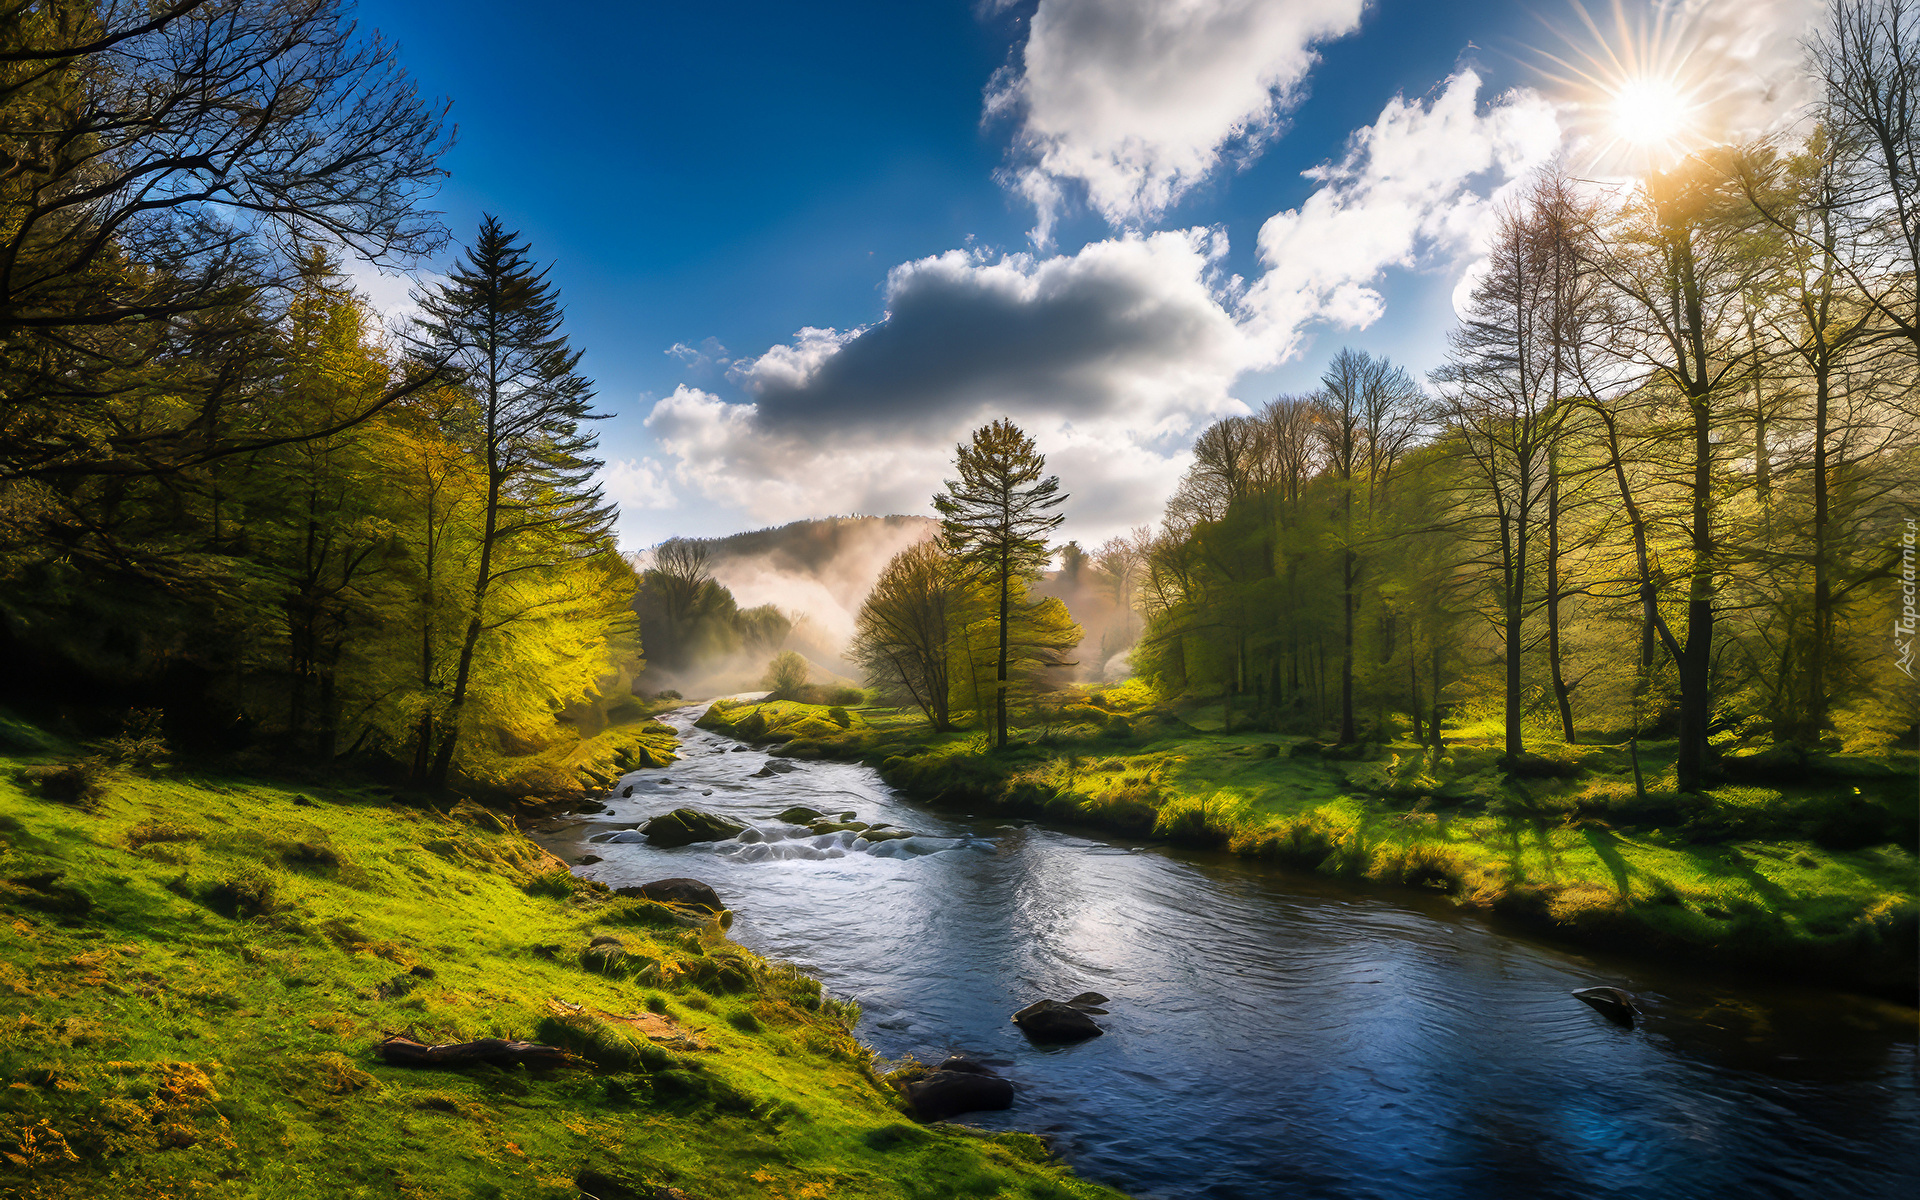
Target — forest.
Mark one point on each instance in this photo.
(354, 775)
(234, 500)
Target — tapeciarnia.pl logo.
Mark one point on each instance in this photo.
(1909, 618)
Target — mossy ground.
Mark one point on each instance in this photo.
(194, 970)
(1815, 878)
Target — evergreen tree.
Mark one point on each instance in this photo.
(995, 519)
(497, 322)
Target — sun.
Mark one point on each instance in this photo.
(1643, 86)
(1649, 113)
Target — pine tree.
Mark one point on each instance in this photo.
(995, 519)
(497, 322)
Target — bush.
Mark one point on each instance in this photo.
(140, 745)
(786, 675)
(851, 697)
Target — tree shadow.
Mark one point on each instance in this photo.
(1603, 843)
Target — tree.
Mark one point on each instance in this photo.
(1502, 403)
(1369, 413)
(497, 322)
(995, 519)
(160, 166)
(903, 630)
(786, 675)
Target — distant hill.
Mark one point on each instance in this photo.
(823, 568)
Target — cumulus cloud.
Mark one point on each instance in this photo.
(1111, 357)
(637, 484)
(1416, 183)
(1136, 101)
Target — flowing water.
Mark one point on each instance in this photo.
(1277, 1035)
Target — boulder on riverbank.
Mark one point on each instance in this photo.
(1060, 1021)
(960, 1085)
(685, 826)
(689, 892)
(1613, 1003)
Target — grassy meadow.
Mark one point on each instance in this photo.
(195, 969)
(1805, 869)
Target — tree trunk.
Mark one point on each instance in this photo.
(1554, 665)
(1000, 676)
(1819, 652)
(1347, 572)
(1695, 660)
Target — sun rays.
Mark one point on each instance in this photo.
(1643, 93)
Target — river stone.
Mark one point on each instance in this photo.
(960, 1062)
(1052, 1021)
(685, 826)
(799, 814)
(874, 833)
(945, 1094)
(838, 826)
(1610, 1002)
(679, 890)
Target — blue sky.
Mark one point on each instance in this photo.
(710, 180)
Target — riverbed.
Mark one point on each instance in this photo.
(1272, 1034)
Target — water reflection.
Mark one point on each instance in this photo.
(1272, 1034)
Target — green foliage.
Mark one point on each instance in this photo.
(113, 1010)
(786, 675)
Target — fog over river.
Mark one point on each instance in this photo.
(1277, 1035)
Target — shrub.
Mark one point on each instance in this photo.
(140, 745)
(786, 675)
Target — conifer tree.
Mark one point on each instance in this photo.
(497, 322)
(995, 519)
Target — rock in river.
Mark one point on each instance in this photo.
(947, 1093)
(1610, 1002)
(690, 892)
(684, 826)
(1052, 1021)
(799, 814)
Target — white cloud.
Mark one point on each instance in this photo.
(1139, 100)
(1110, 358)
(1416, 183)
(638, 486)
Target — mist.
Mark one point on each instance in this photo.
(816, 573)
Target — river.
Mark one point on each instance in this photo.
(1271, 1034)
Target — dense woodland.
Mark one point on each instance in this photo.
(226, 491)
(1661, 485)
(1659, 489)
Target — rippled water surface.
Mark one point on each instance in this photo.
(1274, 1035)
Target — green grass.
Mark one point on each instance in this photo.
(195, 972)
(1814, 879)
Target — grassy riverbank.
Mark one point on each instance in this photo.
(195, 968)
(1810, 876)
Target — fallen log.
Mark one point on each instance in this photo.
(398, 1050)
